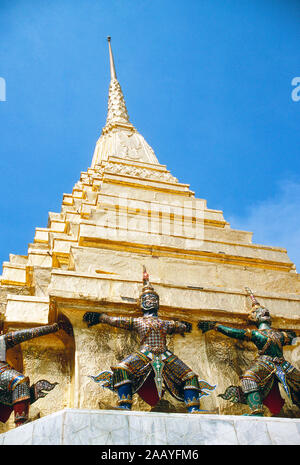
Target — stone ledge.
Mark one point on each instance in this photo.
(111, 427)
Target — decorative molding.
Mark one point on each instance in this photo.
(127, 170)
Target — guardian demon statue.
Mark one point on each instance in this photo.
(153, 368)
(16, 394)
(259, 384)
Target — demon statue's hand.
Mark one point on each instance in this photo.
(92, 318)
(206, 325)
(292, 334)
(64, 324)
(188, 326)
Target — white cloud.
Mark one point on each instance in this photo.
(275, 221)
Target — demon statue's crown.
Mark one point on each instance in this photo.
(149, 299)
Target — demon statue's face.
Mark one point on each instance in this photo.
(149, 303)
(261, 315)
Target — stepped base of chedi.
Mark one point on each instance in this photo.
(127, 210)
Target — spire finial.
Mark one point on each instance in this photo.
(117, 111)
(111, 59)
(119, 137)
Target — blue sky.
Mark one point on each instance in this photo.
(207, 83)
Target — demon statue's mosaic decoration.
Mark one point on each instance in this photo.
(16, 394)
(259, 384)
(153, 368)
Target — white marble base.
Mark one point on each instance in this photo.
(111, 427)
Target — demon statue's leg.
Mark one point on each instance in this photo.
(255, 404)
(192, 394)
(21, 402)
(21, 411)
(125, 396)
(253, 396)
(122, 383)
(191, 399)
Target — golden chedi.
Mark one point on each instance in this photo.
(127, 210)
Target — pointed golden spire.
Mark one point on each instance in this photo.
(113, 73)
(117, 111)
(119, 138)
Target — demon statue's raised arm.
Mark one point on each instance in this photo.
(152, 369)
(16, 394)
(259, 384)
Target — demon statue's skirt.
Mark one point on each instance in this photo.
(14, 387)
(264, 375)
(151, 375)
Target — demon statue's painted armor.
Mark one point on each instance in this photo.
(153, 368)
(259, 384)
(16, 394)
